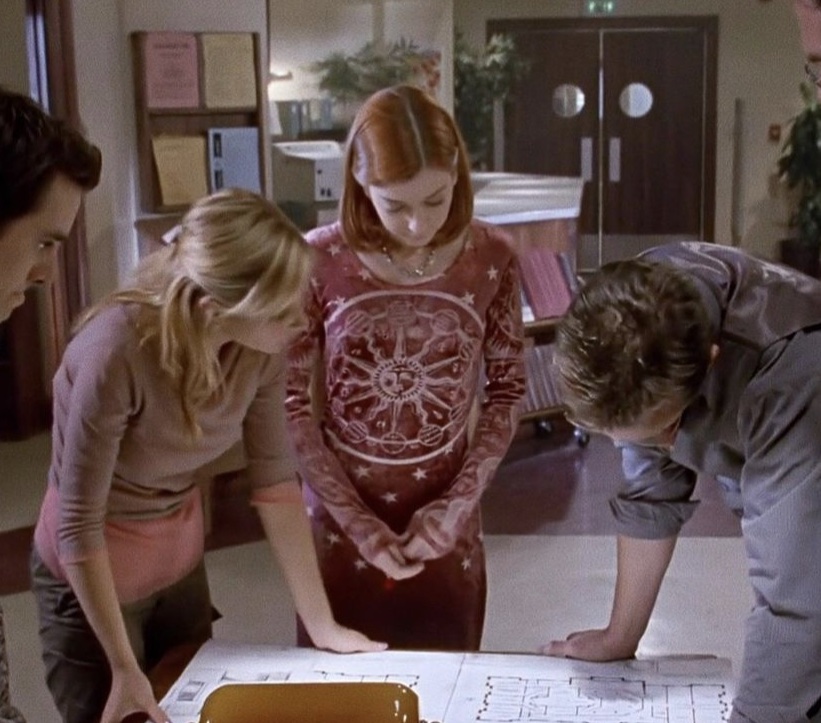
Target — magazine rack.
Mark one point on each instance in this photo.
(170, 103)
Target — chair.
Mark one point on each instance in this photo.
(311, 703)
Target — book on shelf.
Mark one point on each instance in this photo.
(548, 281)
(541, 391)
(527, 311)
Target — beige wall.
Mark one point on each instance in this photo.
(759, 62)
(303, 31)
(14, 73)
(106, 99)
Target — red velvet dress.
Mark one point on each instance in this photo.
(392, 452)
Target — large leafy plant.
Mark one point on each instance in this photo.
(352, 77)
(482, 77)
(800, 166)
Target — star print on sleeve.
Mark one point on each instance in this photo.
(362, 472)
(492, 273)
(441, 522)
(468, 298)
(390, 498)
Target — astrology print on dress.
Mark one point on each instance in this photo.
(402, 366)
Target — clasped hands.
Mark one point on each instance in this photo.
(430, 535)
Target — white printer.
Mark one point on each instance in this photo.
(307, 172)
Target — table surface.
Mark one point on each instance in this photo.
(449, 686)
(166, 672)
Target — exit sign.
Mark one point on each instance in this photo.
(599, 7)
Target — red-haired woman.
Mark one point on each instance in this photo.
(414, 318)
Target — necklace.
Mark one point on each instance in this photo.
(418, 271)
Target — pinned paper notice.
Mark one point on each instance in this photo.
(181, 168)
(171, 73)
(229, 68)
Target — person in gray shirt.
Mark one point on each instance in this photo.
(700, 359)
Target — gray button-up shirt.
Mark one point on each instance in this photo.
(756, 427)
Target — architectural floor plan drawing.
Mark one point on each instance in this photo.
(546, 690)
(488, 687)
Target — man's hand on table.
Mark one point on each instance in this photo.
(595, 645)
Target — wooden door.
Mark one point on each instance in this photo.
(653, 138)
(651, 117)
(540, 140)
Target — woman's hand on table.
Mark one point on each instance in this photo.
(339, 639)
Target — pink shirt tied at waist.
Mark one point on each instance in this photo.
(145, 555)
(169, 547)
(124, 466)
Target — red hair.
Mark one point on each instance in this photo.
(397, 133)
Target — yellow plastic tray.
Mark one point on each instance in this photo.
(311, 703)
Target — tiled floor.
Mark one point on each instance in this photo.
(550, 548)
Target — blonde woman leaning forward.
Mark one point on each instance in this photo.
(162, 377)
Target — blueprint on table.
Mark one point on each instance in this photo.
(490, 687)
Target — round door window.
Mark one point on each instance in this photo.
(636, 100)
(568, 100)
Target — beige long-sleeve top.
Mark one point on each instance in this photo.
(124, 465)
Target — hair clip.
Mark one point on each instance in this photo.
(171, 236)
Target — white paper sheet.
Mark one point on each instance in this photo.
(491, 687)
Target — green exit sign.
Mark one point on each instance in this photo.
(599, 7)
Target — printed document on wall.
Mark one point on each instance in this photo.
(229, 68)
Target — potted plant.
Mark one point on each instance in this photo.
(800, 166)
(349, 78)
(480, 78)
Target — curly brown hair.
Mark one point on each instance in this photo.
(637, 335)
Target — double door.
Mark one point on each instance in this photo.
(629, 105)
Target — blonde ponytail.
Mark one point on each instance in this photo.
(239, 250)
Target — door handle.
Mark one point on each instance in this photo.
(614, 166)
(587, 158)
